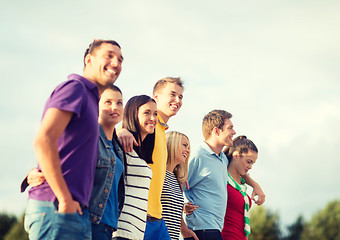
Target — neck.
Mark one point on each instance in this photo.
(171, 167)
(164, 116)
(233, 173)
(213, 146)
(89, 77)
(108, 130)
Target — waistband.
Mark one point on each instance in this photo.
(153, 219)
(207, 230)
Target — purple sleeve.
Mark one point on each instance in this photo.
(68, 96)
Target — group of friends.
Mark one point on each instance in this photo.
(96, 181)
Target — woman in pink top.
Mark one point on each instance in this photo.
(242, 155)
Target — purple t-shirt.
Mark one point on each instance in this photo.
(78, 144)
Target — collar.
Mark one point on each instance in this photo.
(90, 85)
(161, 122)
(206, 147)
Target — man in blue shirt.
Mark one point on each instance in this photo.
(207, 177)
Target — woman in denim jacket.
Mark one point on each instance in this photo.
(108, 192)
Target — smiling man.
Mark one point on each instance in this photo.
(207, 177)
(66, 147)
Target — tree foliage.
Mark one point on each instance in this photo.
(325, 224)
(264, 224)
(295, 230)
(17, 231)
(6, 222)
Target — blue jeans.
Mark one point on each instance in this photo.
(101, 231)
(156, 230)
(43, 221)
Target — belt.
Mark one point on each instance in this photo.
(153, 219)
(207, 230)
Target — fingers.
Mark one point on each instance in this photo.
(79, 210)
(187, 184)
(35, 177)
(189, 208)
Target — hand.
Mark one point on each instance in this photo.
(257, 191)
(187, 233)
(35, 177)
(69, 207)
(126, 139)
(189, 208)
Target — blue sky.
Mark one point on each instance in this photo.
(273, 65)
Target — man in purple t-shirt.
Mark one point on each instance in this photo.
(66, 148)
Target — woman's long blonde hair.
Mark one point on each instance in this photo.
(173, 142)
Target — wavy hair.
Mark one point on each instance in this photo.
(173, 142)
(131, 123)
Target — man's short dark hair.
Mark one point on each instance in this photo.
(97, 43)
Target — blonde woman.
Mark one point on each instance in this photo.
(172, 200)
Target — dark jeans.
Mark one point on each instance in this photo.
(101, 231)
(207, 234)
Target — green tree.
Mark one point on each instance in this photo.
(264, 224)
(6, 222)
(295, 230)
(17, 231)
(325, 224)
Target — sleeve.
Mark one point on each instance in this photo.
(194, 171)
(69, 96)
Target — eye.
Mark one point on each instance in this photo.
(108, 102)
(119, 103)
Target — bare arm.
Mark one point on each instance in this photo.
(52, 126)
(257, 190)
(186, 232)
(126, 139)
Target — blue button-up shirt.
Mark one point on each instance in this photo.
(207, 179)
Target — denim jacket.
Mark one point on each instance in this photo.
(104, 177)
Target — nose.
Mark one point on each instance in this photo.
(115, 62)
(114, 106)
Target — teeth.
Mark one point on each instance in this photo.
(111, 71)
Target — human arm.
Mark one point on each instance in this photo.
(52, 126)
(186, 232)
(257, 190)
(126, 139)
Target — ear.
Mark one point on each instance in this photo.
(236, 155)
(216, 131)
(88, 59)
(155, 96)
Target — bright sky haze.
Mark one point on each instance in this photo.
(273, 64)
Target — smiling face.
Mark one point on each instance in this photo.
(169, 100)
(110, 108)
(183, 151)
(226, 134)
(104, 65)
(147, 118)
(244, 162)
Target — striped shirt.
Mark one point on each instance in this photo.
(132, 220)
(172, 203)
